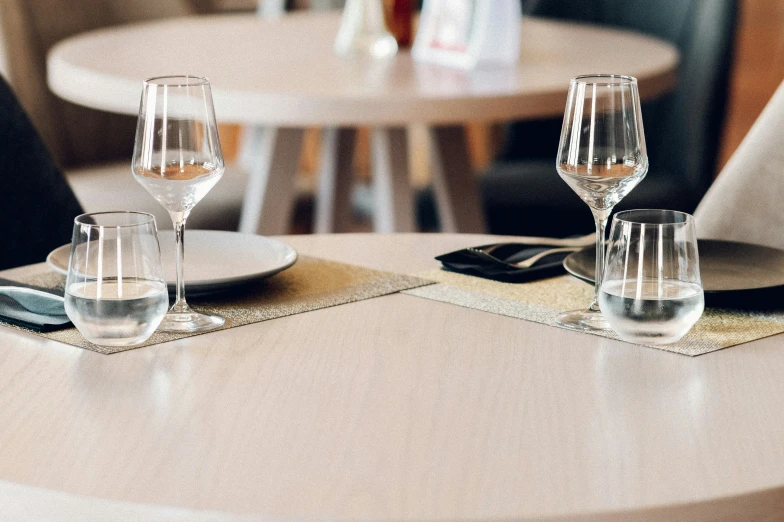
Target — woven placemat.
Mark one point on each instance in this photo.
(541, 301)
(310, 284)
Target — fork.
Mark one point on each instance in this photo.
(527, 263)
(531, 261)
(576, 242)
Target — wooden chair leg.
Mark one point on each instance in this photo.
(269, 199)
(335, 182)
(394, 209)
(456, 189)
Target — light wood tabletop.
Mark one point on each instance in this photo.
(394, 408)
(283, 73)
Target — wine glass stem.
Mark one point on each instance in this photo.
(180, 305)
(600, 218)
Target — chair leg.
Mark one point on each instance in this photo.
(269, 199)
(455, 187)
(248, 147)
(394, 210)
(336, 177)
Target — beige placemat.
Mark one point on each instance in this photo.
(310, 284)
(541, 301)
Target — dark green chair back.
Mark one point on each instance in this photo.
(38, 207)
(682, 128)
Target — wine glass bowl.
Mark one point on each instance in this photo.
(177, 158)
(602, 157)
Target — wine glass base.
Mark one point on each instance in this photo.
(583, 321)
(189, 322)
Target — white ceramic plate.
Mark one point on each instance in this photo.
(214, 260)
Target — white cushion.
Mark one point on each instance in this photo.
(113, 187)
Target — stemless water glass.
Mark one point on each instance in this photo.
(651, 291)
(177, 158)
(115, 293)
(602, 157)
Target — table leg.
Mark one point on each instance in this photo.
(394, 203)
(456, 189)
(269, 198)
(335, 182)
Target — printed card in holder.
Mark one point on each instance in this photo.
(466, 33)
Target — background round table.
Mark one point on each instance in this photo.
(283, 73)
(393, 408)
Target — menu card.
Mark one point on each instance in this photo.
(467, 33)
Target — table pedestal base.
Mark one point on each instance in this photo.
(273, 159)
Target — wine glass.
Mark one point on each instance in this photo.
(651, 290)
(177, 158)
(115, 293)
(602, 157)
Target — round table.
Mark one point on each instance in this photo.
(397, 408)
(284, 73)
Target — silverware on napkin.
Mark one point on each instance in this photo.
(525, 259)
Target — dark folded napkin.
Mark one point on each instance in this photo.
(497, 262)
(39, 309)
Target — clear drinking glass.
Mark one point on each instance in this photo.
(602, 157)
(115, 292)
(177, 158)
(652, 292)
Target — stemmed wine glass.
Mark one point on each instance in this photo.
(602, 157)
(177, 158)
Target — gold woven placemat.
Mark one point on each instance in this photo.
(541, 301)
(310, 284)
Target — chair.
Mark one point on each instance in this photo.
(524, 194)
(744, 204)
(38, 206)
(93, 146)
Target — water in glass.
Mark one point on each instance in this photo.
(602, 186)
(116, 312)
(653, 312)
(179, 187)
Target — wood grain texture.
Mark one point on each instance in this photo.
(391, 408)
(277, 77)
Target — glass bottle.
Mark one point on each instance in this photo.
(363, 31)
(399, 20)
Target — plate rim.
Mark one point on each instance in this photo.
(585, 279)
(202, 286)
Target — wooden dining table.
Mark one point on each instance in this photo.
(281, 76)
(392, 408)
